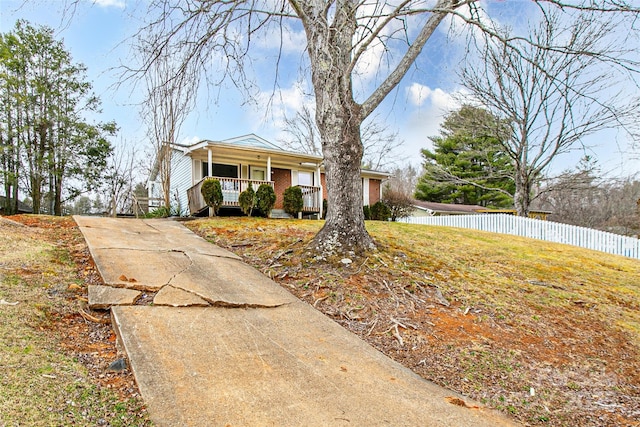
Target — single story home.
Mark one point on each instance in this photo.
(422, 208)
(236, 162)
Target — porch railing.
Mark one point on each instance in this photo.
(231, 189)
(311, 198)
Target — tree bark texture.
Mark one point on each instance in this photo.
(338, 117)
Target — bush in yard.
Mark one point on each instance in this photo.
(247, 200)
(367, 212)
(380, 212)
(293, 200)
(159, 212)
(212, 194)
(265, 199)
(399, 203)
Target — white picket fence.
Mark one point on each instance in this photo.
(538, 229)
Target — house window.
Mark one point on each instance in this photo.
(223, 171)
(305, 178)
(258, 174)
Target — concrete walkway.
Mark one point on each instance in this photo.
(216, 343)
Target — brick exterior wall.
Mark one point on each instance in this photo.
(374, 191)
(281, 181)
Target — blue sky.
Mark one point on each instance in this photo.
(96, 35)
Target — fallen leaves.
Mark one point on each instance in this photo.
(94, 319)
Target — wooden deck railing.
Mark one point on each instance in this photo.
(231, 189)
(311, 198)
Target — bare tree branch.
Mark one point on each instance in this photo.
(552, 98)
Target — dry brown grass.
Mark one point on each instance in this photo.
(547, 333)
(52, 362)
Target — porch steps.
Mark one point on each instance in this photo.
(279, 214)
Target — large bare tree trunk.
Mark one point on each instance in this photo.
(344, 229)
(338, 118)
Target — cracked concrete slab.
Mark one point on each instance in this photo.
(288, 365)
(103, 297)
(138, 269)
(230, 281)
(145, 234)
(149, 254)
(175, 297)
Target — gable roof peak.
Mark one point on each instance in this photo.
(252, 140)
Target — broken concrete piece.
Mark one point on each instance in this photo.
(148, 271)
(175, 297)
(103, 297)
(229, 281)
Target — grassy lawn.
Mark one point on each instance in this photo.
(53, 362)
(547, 333)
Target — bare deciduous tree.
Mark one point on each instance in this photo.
(381, 144)
(302, 132)
(168, 102)
(118, 183)
(586, 198)
(339, 36)
(552, 93)
(403, 179)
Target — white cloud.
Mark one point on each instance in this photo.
(285, 38)
(383, 53)
(371, 62)
(427, 108)
(190, 140)
(120, 4)
(273, 108)
(419, 94)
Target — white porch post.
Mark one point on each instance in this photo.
(268, 177)
(210, 160)
(365, 191)
(319, 184)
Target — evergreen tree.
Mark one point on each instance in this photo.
(468, 164)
